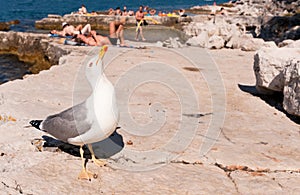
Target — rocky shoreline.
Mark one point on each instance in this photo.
(32, 48)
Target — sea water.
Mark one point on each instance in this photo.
(11, 68)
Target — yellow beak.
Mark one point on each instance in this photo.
(102, 53)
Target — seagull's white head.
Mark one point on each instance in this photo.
(94, 68)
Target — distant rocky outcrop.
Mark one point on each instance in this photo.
(265, 20)
(277, 70)
(266, 7)
(5, 26)
(101, 22)
(222, 35)
(34, 49)
(280, 19)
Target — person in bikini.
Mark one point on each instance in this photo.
(116, 31)
(93, 39)
(70, 30)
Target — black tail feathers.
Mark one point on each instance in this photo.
(36, 123)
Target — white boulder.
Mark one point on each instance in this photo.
(269, 64)
(201, 40)
(294, 44)
(215, 42)
(236, 41)
(270, 44)
(285, 42)
(252, 44)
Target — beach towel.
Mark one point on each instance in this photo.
(59, 36)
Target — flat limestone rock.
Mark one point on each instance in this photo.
(254, 136)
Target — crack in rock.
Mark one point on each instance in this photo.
(228, 174)
(120, 158)
(228, 169)
(231, 168)
(233, 181)
(18, 187)
(186, 162)
(226, 137)
(279, 184)
(197, 115)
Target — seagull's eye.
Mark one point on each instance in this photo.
(91, 64)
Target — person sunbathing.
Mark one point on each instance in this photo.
(93, 39)
(116, 31)
(152, 12)
(70, 30)
(111, 12)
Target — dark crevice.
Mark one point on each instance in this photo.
(18, 187)
(122, 158)
(233, 181)
(186, 162)
(231, 168)
(226, 137)
(228, 174)
(255, 172)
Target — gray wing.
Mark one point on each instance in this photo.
(69, 123)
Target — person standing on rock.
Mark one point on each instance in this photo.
(139, 16)
(82, 10)
(116, 30)
(124, 12)
(214, 11)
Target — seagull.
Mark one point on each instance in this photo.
(91, 121)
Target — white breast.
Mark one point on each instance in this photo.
(103, 113)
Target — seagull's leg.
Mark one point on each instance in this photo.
(96, 161)
(84, 174)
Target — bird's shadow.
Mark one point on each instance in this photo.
(275, 100)
(103, 149)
